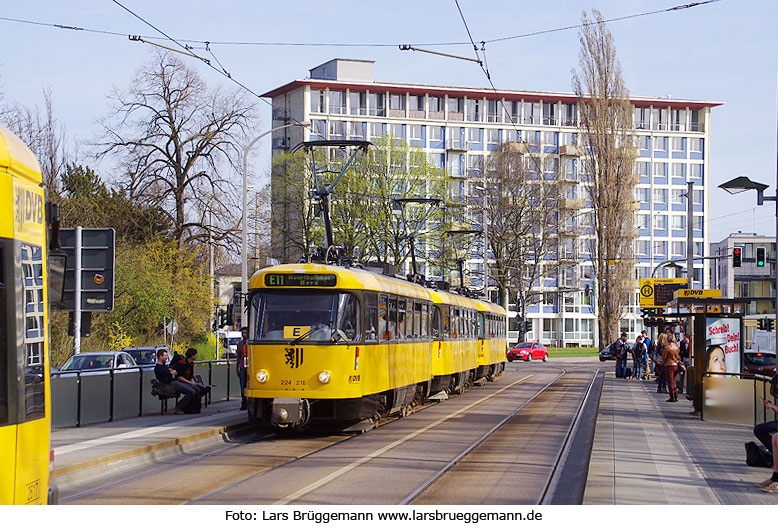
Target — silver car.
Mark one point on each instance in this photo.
(87, 361)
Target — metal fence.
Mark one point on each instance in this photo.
(89, 397)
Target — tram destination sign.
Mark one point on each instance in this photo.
(657, 292)
(300, 280)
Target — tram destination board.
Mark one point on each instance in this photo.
(300, 280)
(657, 292)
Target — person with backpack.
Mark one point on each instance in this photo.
(638, 357)
(619, 351)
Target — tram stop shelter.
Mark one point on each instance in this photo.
(719, 392)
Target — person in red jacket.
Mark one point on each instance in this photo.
(240, 366)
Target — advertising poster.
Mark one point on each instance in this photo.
(722, 345)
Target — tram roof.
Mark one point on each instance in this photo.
(490, 307)
(347, 278)
(16, 158)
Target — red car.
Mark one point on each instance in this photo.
(528, 352)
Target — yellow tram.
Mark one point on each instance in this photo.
(25, 402)
(341, 345)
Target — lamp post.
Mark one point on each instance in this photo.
(742, 183)
(244, 272)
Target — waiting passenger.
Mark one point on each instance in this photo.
(766, 433)
(167, 376)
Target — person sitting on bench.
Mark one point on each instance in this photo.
(185, 369)
(167, 376)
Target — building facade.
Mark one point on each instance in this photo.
(458, 128)
(749, 280)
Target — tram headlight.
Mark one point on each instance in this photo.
(324, 377)
(262, 376)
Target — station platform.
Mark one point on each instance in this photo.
(646, 450)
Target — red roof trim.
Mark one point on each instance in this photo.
(470, 92)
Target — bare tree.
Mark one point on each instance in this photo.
(521, 221)
(176, 140)
(609, 164)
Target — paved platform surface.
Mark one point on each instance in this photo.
(648, 451)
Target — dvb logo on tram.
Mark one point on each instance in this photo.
(28, 209)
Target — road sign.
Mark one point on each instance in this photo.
(701, 293)
(97, 269)
(172, 327)
(657, 292)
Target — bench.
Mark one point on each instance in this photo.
(164, 391)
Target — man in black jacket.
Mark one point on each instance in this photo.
(167, 376)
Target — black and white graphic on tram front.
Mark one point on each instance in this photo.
(294, 357)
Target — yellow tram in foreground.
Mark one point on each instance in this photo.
(25, 403)
(340, 345)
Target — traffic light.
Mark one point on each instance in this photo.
(527, 326)
(760, 256)
(737, 255)
(768, 324)
(228, 320)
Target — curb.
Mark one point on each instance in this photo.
(178, 441)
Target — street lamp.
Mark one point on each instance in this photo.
(244, 271)
(743, 183)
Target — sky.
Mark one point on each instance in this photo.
(726, 51)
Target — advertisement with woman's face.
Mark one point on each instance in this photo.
(722, 345)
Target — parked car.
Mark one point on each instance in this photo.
(605, 354)
(528, 352)
(144, 355)
(759, 362)
(112, 359)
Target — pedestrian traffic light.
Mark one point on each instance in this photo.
(760, 256)
(737, 255)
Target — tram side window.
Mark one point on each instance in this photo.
(391, 331)
(371, 317)
(348, 316)
(435, 328)
(481, 326)
(420, 320)
(4, 346)
(455, 332)
(382, 317)
(34, 377)
(446, 321)
(400, 319)
(409, 324)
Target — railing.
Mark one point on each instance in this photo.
(104, 395)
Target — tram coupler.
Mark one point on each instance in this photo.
(292, 412)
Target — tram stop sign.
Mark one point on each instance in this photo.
(97, 269)
(657, 292)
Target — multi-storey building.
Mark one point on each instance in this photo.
(458, 127)
(749, 280)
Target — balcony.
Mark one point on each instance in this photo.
(455, 172)
(574, 151)
(455, 144)
(456, 116)
(570, 203)
(416, 114)
(521, 147)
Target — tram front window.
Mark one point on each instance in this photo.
(309, 317)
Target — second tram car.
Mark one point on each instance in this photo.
(338, 345)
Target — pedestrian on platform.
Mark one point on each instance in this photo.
(620, 348)
(671, 360)
(648, 344)
(659, 346)
(766, 433)
(685, 347)
(166, 375)
(240, 366)
(638, 357)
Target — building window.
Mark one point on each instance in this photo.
(694, 124)
(644, 142)
(474, 110)
(642, 221)
(659, 119)
(416, 132)
(377, 130)
(436, 103)
(660, 169)
(456, 104)
(396, 131)
(660, 248)
(569, 114)
(436, 133)
(318, 101)
(397, 102)
(358, 103)
(358, 130)
(642, 247)
(549, 114)
(678, 143)
(695, 145)
(377, 104)
(493, 136)
(697, 223)
(337, 102)
(642, 194)
(678, 119)
(677, 248)
(493, 111)
(678, 222)
(643, 168)
(660, 222)
(531, 112)
(642, 117)
(677, 169)
(676, 196)
(415, 103)
(697, 197)
(337, 130)
(512, 111)
(512, 135)
(660, 195)
(695, 171)
(319, 129)
(660, 143)
(473, 134)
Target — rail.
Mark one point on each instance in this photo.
(105, 395)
